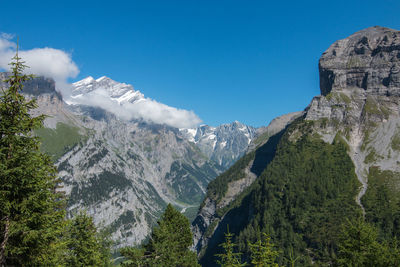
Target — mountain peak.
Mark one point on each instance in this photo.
(102, 78)
(85, 81)
(368, 60)
(119, 92)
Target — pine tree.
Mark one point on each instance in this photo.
(229, 258)
(263, 253)
(31, 209)
(168, 246)
(85, 246)
(359, 246)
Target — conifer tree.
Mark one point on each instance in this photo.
(31, 209)
(263, 253)
(359, 246)
(134, 257)
(168, 246)
(229, 258)
(85, 246)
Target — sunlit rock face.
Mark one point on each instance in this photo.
(368, 59)
(124, 172)
(359, 103)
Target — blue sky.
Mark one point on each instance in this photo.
(226, 60)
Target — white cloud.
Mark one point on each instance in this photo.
(58, 64)
(48, 62)
(147, 109)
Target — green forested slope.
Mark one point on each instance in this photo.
(382, 202)
(301, 199)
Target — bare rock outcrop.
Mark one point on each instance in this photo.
(368, 59)
(359, 103)
(360, 96)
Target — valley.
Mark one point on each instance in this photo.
(123, 158)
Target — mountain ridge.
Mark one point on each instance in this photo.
(358, 110)
(122, 172)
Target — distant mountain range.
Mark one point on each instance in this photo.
(124, 170)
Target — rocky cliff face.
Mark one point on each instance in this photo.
(125, 172)
(359, 103)
(238, 178)
(35, 87)
(223, 144)
(49, 100)
(360, 89)
(368, 59)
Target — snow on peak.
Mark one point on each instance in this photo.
(119, 92)
(85, 81)
(127, 103)
(102, 78)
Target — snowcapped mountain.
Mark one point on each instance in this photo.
(124, 172)
(128, 104)
(223, 144)
(119, 92)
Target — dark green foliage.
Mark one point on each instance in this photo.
(168, 245)
(358, 246)
(371, 157)
(263, 253)
(86, 247)
(265, 153)
(261, 157)
(382, 202)
(300, 199)
(303, 197)
(229, 258)
(31, 211)
(134, 257)
(217, 188)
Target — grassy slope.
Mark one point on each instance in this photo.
(56, 142)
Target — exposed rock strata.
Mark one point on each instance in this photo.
(124, 172)
(359, 101)
(207, 216)
(360, 89)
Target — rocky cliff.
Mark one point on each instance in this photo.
(360, 89)
(124, 172)
(223, 144)
(367, 60)
(358, 107)
(236, 180)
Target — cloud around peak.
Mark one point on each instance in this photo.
(48, 62)
(145, 109)
(58, 64)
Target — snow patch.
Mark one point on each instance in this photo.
(212, 137)
(223, 144)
